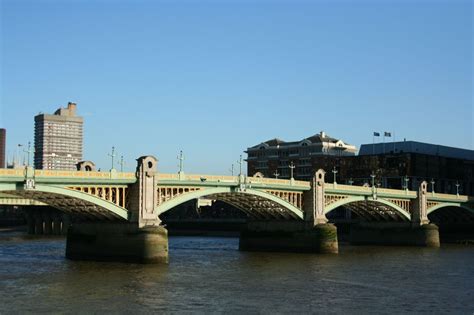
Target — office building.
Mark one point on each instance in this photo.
(58, 139)
(274, 158)
(395, 165)
(3, 140)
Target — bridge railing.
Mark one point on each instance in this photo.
(438, 196)
(274, 181)
(8, 172)
(232, 179)
(368, 190)
(67, 174)
(83, 174)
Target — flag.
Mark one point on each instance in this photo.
(376, 134)
(387, 134)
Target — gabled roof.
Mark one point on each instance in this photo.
(274, 142)
(317, 138)
(271, 143)
(321, 138)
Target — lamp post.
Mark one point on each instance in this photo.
(374, 194)
(112, 156)
(232, 170)
(432, 186)
(292, 167)
(240, 162)
(276, 174)
(18, 151)
(406, 180)
(180, 157)
(121, 163)
(350, 181)
(334, 171)
(457, 188)
(28, 152)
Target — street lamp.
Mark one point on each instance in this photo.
(334, 171)
(28, 152)
(432, 185)
(406, 180)
(350, 181)
(180, 157)
(457, 188)
(17, 159)
(276, 174)
(121, 163)
(232, 169)
(112, 156)
(373, 179)
(292, 167)
(374, 191)
(240, 162)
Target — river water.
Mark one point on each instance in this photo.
(210, 275)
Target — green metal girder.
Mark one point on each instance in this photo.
(363, 198)
(57, 190)
(193, 183)
(400, 195)
(220, 190)
(449, 204)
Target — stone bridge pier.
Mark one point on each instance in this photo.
(42, 220)
(313, 234)
(418, 232)
(140, 239)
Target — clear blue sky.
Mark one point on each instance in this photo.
(215, 77)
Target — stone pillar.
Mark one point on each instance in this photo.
(56, 223)
(48, 222)
(425, 234)
(314, 200)
(38, 223)
(142, 239)
(66, 222)
(124, 242)
(144, 194)
(324, 235)
(288, 236)
(419, 215)
(30, 221)
(395, 233)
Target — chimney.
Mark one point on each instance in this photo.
(71, 108)
(322, 134)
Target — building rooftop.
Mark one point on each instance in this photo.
(416, 147)
(317, 138)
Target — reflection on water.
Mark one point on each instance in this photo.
(211, 275)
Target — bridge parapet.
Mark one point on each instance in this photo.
(209, 180)
(67, 177)
(447, 197)
(366, 190)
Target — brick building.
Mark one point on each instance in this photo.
(395, 165)
(276, 156)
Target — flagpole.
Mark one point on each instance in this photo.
(393, 142)
(373, 143)
(384, 142)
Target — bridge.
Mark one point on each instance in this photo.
(123, 207)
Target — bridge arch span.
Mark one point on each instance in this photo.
(449, 204)
(254, 202)
(69, 200)
(370, 208)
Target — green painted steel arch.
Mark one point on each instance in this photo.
(56, 190)
(346, 201)
(449, 204)
(222, 190)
